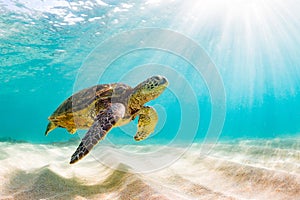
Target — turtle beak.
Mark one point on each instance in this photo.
(164, 81)
(161, 80)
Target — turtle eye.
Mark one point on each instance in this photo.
(156, 78)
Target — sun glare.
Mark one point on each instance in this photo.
(252, 39)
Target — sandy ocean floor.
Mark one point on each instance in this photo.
(246, 169)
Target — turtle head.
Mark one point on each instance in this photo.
(150, 89)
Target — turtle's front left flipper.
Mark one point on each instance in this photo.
(105, 120)
(147, 121)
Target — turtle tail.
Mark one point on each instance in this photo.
(50, 127)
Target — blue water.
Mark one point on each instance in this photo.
(254, 46)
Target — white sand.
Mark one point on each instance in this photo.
(244, 170)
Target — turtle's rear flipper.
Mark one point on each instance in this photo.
(147, 121)
(105, 120)
(50, 127)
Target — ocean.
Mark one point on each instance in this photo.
(228, 124)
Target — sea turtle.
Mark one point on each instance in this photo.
(102, 107)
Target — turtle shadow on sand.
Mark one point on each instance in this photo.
(46, 184)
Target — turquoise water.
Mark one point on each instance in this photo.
(234, 82)
(255, 47)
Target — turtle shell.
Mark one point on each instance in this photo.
(87, 103)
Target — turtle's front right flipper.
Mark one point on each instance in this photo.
(105, 120)
(147, 121)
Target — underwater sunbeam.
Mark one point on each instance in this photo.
(254, 43)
